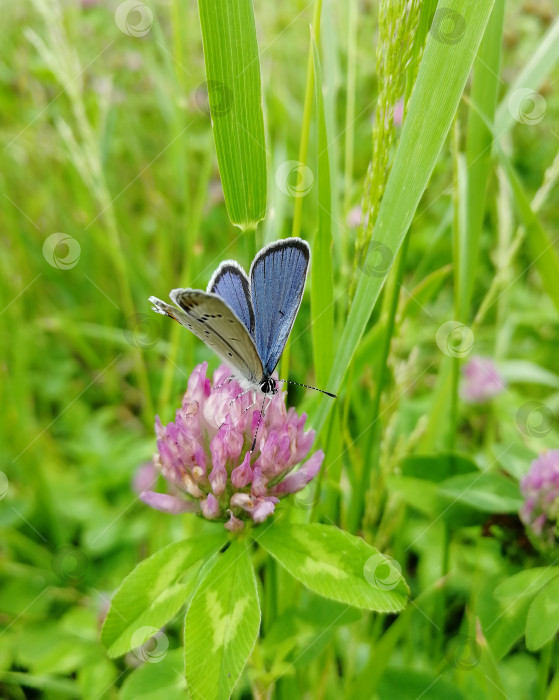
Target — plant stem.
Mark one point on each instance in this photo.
(307, 114)
(350, 103)
(544, 667)
(373, 434)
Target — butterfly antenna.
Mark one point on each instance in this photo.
(262, 413)
(288, 381)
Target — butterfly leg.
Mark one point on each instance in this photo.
(262, 414)
(249, 407)
(239, 396)
(227, 381)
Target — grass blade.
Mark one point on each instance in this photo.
(541, 247)
(440, 82)
(235, 99)
(485, 84)
(530, 77)
(322, 292)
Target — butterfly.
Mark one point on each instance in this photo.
(246, 320)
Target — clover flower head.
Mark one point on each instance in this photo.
(540, 489)
(205, 456)
(482, 380)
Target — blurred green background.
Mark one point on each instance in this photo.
(110, 192)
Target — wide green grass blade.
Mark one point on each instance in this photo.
(322, 289)
(440, 82)
(530, 77)
(235, 100)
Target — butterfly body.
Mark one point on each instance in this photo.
(246, 320)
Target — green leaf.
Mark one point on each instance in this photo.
(422, 293)
(152, 681)
(153, 593)
(438, 467)
(222, 624)
(526, 372)
(411, 684)
(440, 82)
(542, 622)
(418, 485)
(235, 101)
(525, 583)
(487, 492)
(503, 623)
(503, 609)
(337, 565)
(322, 286)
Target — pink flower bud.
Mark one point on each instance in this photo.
(210, 507)
(234, 524)
(218, 478)
(298, 480)
(241, 476)
(168, 504)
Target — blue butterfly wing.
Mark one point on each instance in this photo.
(231, 284)
(277, 278)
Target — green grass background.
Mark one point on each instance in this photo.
(107, 139)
